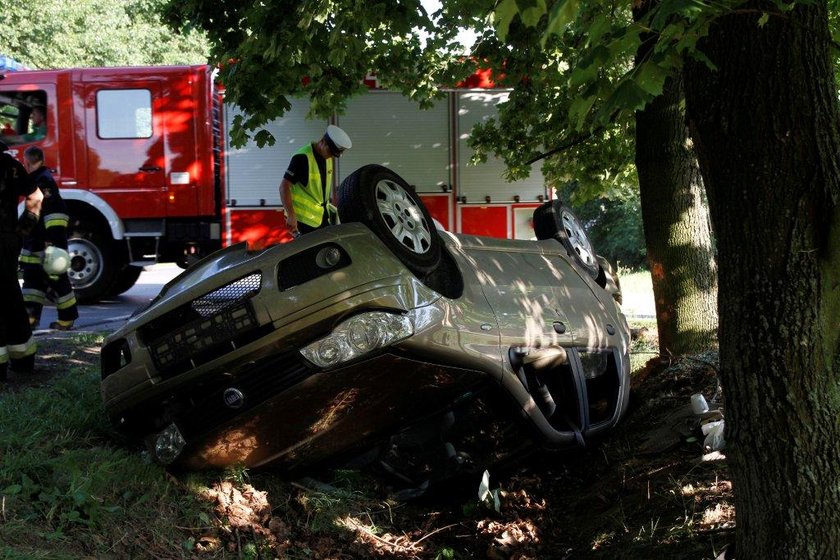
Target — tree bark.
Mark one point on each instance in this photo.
(765, 125)
(678, 233)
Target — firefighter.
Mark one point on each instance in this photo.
(51, 229)
(17, 346)
(306, 188)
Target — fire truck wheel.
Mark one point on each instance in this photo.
(92, 269)
(383, 201)
(555, 220)
(124, 280)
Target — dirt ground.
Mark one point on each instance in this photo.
(648, 491)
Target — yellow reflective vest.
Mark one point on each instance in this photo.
(311, 200)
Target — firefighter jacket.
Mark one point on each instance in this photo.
(52, 227)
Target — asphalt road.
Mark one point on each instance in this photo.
(109, 315)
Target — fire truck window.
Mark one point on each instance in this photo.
(23, 116)
(124, 113)
(8, 119)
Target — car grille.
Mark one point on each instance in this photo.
(228, 295)
(206, 328)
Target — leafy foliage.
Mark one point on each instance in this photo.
(322, 50)
(60, 34)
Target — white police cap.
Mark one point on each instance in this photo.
(337, 139)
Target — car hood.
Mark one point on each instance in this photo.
(370, 266)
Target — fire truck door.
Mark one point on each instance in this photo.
(125, 155)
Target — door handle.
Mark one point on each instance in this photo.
(149, 168)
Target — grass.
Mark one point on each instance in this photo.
(637, 291)
(644, 347)
(67, 490)
(638, 306)
(70, 488)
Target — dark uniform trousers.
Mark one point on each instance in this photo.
(52, 228)
(17, 344)
(16, 341)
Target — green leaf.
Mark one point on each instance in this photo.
(12, 490)
(581, 75)
(597, 29)
(531, 14)
(627, 96)
(698, 55)
(484, 486)
(762, 21)
(650, 77)
(503, 15)
(672, 33)
(624, 44)
(562, 14)
(264, 138)
(579, 109)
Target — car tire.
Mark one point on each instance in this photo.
(556, 220)
(92, 262)
(124, 280)
(379, 198)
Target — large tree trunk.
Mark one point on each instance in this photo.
(677, 229)
(765, 126)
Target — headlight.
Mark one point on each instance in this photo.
(169, 444)
(357, 336)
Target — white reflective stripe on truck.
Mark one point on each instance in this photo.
(114, 221)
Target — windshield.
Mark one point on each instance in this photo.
(23, 116)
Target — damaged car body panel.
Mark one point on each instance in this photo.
(377, 334)
(544, 304)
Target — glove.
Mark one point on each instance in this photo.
(27, 222)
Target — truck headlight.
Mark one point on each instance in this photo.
(358, 336)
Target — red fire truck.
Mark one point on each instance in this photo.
(141, 157)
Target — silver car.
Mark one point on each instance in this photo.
(382, 339)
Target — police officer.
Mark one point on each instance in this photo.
(17, 346)
(306, 189)
(51, 230)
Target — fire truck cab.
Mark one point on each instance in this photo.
(137, 153)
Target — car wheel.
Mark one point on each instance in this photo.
(125, 280)
(383, 201)
(92, 266)
(555, 220)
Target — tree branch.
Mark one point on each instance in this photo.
(566, 146)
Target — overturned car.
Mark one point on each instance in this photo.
(380, 340)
